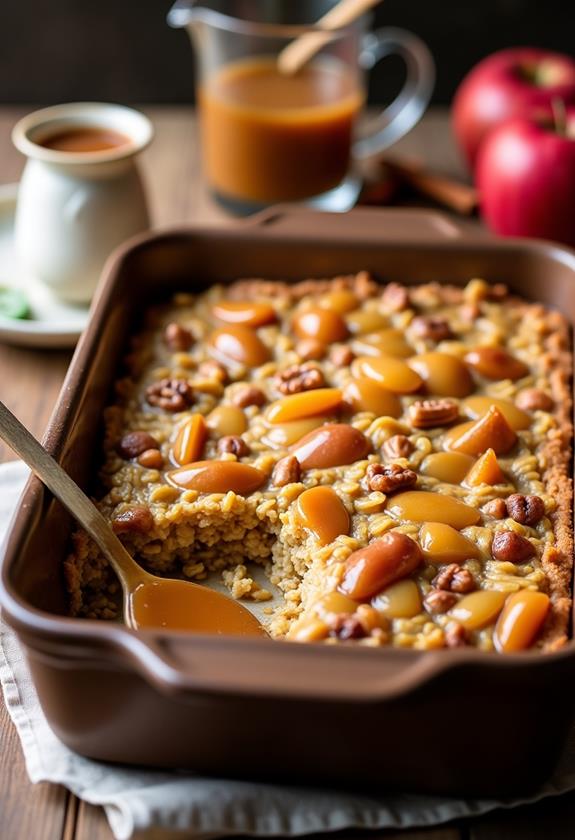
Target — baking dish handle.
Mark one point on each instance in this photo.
(209, 665)
(389, 225)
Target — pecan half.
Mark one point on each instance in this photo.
(454, 578)
(299, 378)
(250, 395)
(426, 414)
(527, 510)
(133, 444)
(286, 471)
(213, 370)
(533, 399)
(136, 519)
(234, 444)
(389, 478)
(495, 508)
(511, 547)
(435, 329)
(398, 446)
(437, 601)
(455, 635)
(170, 394)
(395, 297)
(177, 338)
(346, 626)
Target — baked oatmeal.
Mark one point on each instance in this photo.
(397, 459)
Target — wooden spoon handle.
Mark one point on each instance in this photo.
(67, 491)
(298, 52)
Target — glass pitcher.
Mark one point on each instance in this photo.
(268, 136)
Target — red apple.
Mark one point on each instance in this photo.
(510, 83)
(525, 175)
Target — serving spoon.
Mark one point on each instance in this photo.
(298, 52)
(149, 601)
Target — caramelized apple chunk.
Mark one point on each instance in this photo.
(443, 375)
(423, 506)
(492, 431)
(496, 363)
(381, 563)
(486, 470)
(331, 445)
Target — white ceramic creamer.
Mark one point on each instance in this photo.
(75, 207)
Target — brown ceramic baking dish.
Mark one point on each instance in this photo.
(454, 722)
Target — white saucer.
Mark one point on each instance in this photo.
(52, 323)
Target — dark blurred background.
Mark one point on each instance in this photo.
(123, 50)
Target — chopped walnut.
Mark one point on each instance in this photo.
(435, 329)
(249, 395)
(346, 626)
(213, 370)
(527, 510)
(454, 578)
(437, 601)
(286, 471)
(395, 298)
(427, 414)
(398, 446)
(136, 519)
(389, 478)
(342, 356)
(455, 635)
(310, 348)
(170, 394)
(299, 378)
(495, 508)
(511, 547)
(533, 399)
(177, 338)
(133, 444)
(233, 444)
(152, 459)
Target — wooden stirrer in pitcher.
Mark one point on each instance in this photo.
(299, 51)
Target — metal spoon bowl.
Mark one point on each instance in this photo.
(149, 601)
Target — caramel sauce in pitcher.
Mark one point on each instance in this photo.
(270, 137)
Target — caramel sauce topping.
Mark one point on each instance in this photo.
(249, 314)
(239, 343)
(322, 512)
(305, 404)
(218, 477)
(331, 445)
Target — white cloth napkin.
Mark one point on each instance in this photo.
(163, 805)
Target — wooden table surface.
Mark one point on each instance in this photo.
(29, 383)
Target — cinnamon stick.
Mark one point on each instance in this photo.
(451, 193)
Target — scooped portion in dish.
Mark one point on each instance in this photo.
(396, 459)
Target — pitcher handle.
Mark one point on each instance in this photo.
(409, 105)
